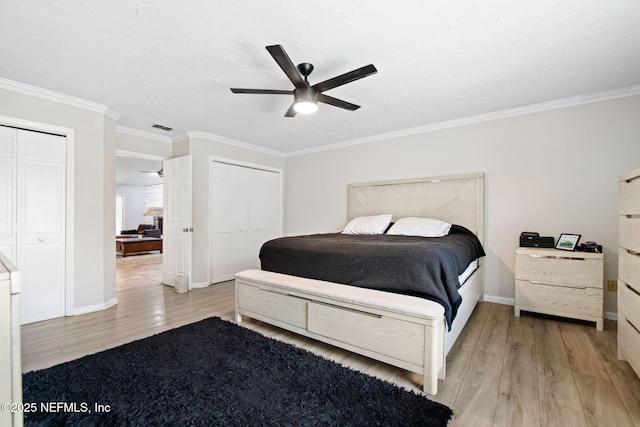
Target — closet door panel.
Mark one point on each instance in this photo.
(7, 192)
(42, 268)
(222, 207)
(221, 258)
(41, 225)
(240, 209)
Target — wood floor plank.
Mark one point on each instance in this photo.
(521, 330)
(582, 355)
(477, 399)
(552, 415)
(601, 403)
(518, 388)
(555, 379)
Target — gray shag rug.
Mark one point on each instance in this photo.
(216, 373)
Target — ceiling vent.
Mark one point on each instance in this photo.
(165, 128)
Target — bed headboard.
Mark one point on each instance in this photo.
(457, 199)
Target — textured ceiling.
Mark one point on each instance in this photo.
(173, 62)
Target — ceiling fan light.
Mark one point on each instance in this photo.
(305, 107)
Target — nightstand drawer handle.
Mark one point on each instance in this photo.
(534, 282)
(556, 257)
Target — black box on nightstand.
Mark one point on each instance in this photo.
(530, 240)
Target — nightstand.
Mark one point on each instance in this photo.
(560, 283)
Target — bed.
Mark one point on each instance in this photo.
(402, 328)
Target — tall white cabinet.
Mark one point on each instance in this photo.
(32, 217)
(629, 269)
(245, 211)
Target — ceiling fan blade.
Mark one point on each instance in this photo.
(263, 91)
(291, 112)
(345, 78)
(287, 65)
(337, 102)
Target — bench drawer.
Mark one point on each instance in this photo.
(385, 335)
(557, 299)
(289, 309)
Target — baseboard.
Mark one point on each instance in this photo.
(199, 285)
(96, 307)
(611, 315)
(499, 300)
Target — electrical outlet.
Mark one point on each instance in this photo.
(612, 285)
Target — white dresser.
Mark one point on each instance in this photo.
(10, 354)
(560, 283)
(629, 269)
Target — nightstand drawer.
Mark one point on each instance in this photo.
(628, 301)
(629, 268)
(559, 300)
(628, 233)
(571, 271)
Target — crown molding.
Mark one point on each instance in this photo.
(497, 115)
(111, 113)
(61, 98)
(143, 134)
(229, 141)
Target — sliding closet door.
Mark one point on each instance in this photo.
(245, 207)
(33, 187)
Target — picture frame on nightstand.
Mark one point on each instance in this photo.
(568, 242)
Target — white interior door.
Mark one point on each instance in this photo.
(177, 227)
(32, 218)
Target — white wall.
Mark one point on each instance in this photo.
(134, 205)
(551, 172)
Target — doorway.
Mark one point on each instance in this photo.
(139, 186)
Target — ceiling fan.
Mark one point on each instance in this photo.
(306, 96)
(158, 172)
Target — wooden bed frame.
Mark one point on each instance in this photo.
(404, 331)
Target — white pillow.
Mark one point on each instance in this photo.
(375, 224)
(423, 227)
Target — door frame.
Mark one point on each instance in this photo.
(69, 135)
(234, 162)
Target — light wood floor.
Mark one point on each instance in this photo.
(503, 370)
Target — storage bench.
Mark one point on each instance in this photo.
(404, 331)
